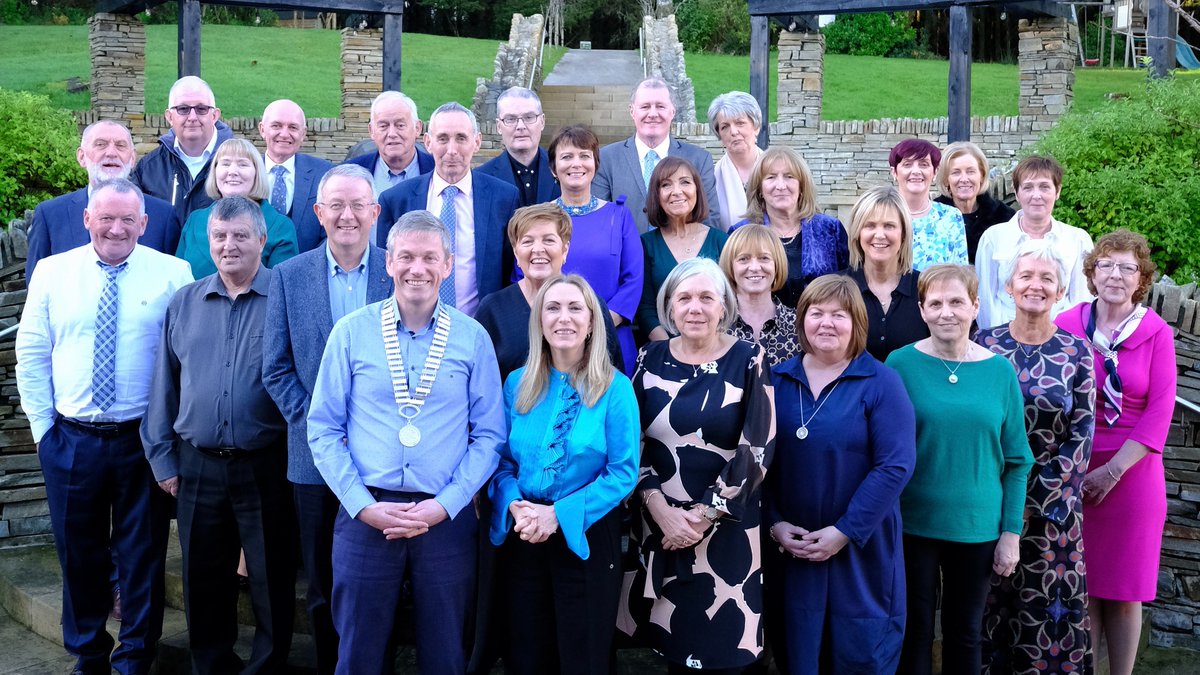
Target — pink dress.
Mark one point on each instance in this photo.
(1122, 536)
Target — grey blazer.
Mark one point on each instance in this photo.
(621, 174)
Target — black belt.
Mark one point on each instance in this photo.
(223, 453)
(103, 429)
(380, 494)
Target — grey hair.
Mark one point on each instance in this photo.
(390, 96)
(455, 106)
(732, 105)
(122, 186)
(1038, 249)
(89, 129)
(686, 270)
(653, 82)
(346, 171)
(519, 92)
(227, 209)
(417, 222)
(189, 82)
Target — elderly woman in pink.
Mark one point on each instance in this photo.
(1124, 491)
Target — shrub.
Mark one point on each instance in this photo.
(873, 34)
(721, 26)
(1135, 163)
(37, 153)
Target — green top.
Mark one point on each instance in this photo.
(193, 241)
(659, 263)
(973, 456)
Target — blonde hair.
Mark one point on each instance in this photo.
(944, 273)
(244, 149)
(591, 378)
(953, 152)
(526, 217)
(880, 197)
(752, 238)
(756, 204)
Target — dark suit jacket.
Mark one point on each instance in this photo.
(297, 327)
(367, 161)
(620, 173)
(309, 171)
(58, 226)
(500, 167)
(494, 202)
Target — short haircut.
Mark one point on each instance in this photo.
(526, 216)
(844, 291)
(756, 203)
(652, 82)
(666, 168)
(1122, 240)
(868, 204)
(753, 239)
(686, 270)
(518, 92)
(228, 209)
(244, 149)
(122, 186)
(345, 171)
(1037, 165)
(579, 136)
(912, 149)
(394, 96)
(953, 152)
(94, 126)
(454, 106)
(732, 105)
(190, 82)
(416, 222)
(944, 273)
(1038, 249)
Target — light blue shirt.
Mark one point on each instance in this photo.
(353, 424)
(598, 469)
(347, 288)
(384, 178)
(939, 236)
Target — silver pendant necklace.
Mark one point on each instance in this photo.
(802, 432)
(953, 379)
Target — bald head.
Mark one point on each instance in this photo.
(282, 128)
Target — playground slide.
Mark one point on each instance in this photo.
(1185, 55)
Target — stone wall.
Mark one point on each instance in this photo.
(664, 58)
(518, 64)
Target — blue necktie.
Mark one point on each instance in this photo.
(648, 165)
(450, 219)
(279, 189)
(104, 366)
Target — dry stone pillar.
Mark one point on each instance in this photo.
(118, 86)
(362, 77)
(1047, 50)
(801, 69)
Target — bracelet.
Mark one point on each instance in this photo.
(771, 532)
(1112, 475)
(648, 494)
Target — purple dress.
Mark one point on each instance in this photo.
(607, 251)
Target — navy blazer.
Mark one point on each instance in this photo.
(297, 327)
(620, 173)
(367, 161)
(500, 167)
(494, 202)
(58, 226)
(309, 171)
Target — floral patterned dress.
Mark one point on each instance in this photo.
(708, 437)
(1036, 619)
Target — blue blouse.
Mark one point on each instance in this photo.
(582, 460)
(939, 236)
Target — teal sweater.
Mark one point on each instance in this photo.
(973, 456)
(193, 241)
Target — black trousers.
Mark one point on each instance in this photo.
(963, 572)
(316, 510)
(562, 609)
(226, 503)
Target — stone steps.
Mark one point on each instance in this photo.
(603, 108)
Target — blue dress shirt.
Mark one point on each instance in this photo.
(347, 288)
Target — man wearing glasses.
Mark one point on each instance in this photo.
(175, 171)
(522, 164)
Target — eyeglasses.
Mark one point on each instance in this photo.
(527, 118)
(1127, 269)
(185, 110)
(356, 207)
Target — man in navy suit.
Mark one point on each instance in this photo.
(625, 166)
(394, 128)
(474, 206)
(523, 164)
(106, 151)
(309, 294)
(292, 176)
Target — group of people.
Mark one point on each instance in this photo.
(459, 388)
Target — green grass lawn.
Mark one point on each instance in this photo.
(249, 67)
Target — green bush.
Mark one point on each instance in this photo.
(719, 26)
(37, 153)
(1135, 163)
(874, 34)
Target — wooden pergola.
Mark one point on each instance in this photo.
(802, 15)
(189, 25)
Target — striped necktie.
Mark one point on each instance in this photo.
(104, 366)
(449, 218)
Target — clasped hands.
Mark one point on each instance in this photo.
(681, 527)
(802, 544)
(403, 520)
(534, 522)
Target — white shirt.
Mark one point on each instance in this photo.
(466, 288)
(195, 164)
(643, 150)
(57, 337)
(289, 180)
(996, 248)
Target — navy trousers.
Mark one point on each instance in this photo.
(316, 511)
(368, 571)
(102, 495)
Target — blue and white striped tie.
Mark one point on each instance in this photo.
(104, 367)
(449, 218)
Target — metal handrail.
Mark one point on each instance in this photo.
(9, 331)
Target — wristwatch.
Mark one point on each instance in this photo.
(710, 513)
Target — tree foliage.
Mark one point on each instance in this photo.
(37, 153)
(720, 26)
(872, 34)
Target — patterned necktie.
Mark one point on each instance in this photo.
(648, 165)
(450, 219)
(104, 366)
(279, 189)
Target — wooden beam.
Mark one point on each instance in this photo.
(760, 73)
(959, 92)
(1159, 45)
(357, 6)
(393, 32)
(189, 37)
